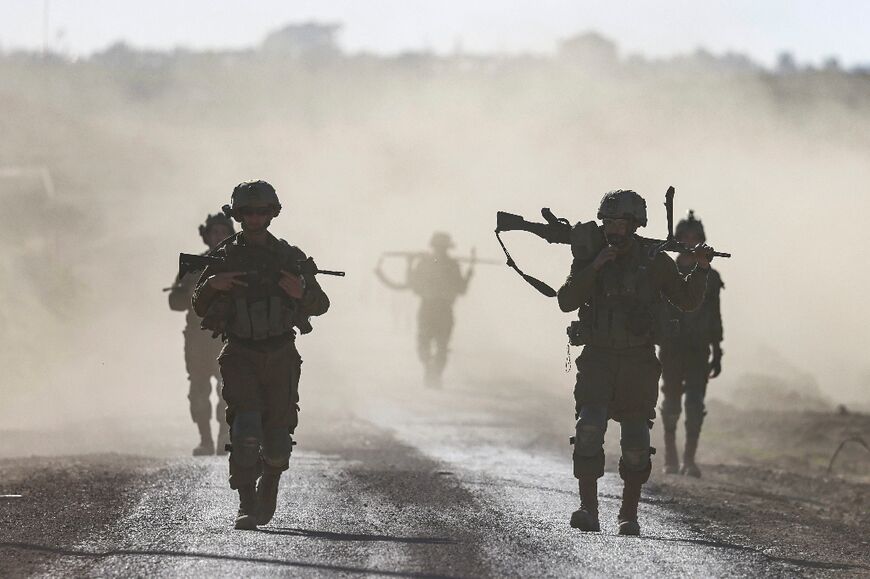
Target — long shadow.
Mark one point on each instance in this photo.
(214, 557)
(330, 536)
(759, 552)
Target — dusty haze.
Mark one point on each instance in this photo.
(371, 154)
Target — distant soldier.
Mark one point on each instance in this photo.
(690, 354)
(255, 298)
(437, 279)
(201, 349)
(617, 372)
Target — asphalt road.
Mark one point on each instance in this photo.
(430, 484)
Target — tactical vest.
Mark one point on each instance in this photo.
(677, 326)
(620, 313)
(262, 309)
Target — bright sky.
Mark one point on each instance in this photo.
(812, 30)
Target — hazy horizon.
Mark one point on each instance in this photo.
(811, 32)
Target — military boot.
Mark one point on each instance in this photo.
(672, 463)
(206, 446)
(628, 524)
(246, 519)
(689, 466)
(267, 495)
(223, 439)
(586, 517)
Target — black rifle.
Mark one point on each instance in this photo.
(189, 263)
(559, 230)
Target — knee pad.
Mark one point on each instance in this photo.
(277, 448)
(670, 406)
(588, 439)
(635, 465)
(246, 434)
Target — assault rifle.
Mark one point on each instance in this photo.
(189, 263)
(585, 239)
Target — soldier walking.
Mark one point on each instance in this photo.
(437, 279)
(617, 371)
(201, 350)
(690, 353)
(254, 300)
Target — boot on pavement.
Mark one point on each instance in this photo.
(628, 524)
(690, 468)
(246, 519)
(267, 495)
(672, 463)
(586, 517)
(206, 446)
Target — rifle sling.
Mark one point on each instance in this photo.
(543, 288)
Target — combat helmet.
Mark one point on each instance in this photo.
(690, 223)
(441, 239)
(623, 204)
(249, 193)
(211, 221)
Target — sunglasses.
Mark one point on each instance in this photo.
(264, 211)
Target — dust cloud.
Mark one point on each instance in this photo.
(374, 153)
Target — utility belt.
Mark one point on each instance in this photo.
(613, 329)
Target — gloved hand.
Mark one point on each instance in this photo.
(715, 365)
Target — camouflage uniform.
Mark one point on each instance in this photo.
(617, 371)
(687, 341)
(200, 356)
(259, 363)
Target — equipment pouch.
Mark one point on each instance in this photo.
(219, 313)
(578, 334)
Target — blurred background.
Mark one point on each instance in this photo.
(122, 124)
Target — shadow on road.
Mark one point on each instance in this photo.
(760, 553)
(212, 556)
(330, 536)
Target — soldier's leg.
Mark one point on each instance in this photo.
(241, 390)
(696, 390)
(672, 392)
(635, 466)
(220, 413)
(592, 393)
(199, 370)
(442, 335)
(281, 387)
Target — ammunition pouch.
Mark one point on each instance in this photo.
(218, 316)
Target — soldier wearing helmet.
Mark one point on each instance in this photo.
(615, 291)
(201, 350)
(259, 362)
(437, 279)
(690, 353)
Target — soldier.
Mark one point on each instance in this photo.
(436, 278)
(201, 350)
(617, 372)
(690, 353)
(255, 301)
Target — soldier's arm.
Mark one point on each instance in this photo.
(314, 301)
(578, 288)
(686, 293)
(203, 293)
(714, 287)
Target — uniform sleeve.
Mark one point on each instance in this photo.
(314, 301)
(579, 287)
(180, 294)
(686, 293)
(714, 287)
(204, 294)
